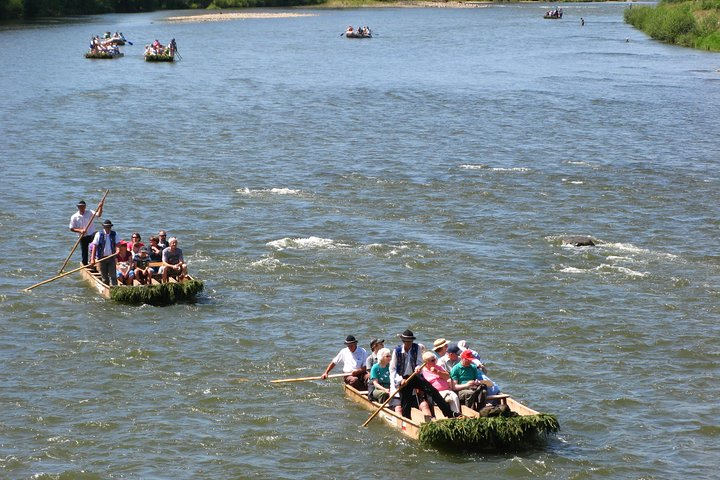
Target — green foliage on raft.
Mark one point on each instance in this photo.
(496, 434)
(159, 58)
(158, 295)
(101, 55)
(693, 23)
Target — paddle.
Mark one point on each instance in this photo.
(302, 379)
(84, 230)
(65, 274)
(391, 396)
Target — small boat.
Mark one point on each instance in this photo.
(157, 52)
(113, 39)
(553, 14)
(158, 294)
(360, 32)
(358, 35)
(512, 427)
(104, 54)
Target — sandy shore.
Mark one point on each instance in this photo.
(219, 17)
(222, 16)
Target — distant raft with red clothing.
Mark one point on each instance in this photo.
(157, 52)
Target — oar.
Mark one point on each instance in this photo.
(302, 379)
(83, 232)
(391, 396)
(65, 274)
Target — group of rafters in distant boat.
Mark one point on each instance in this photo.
(157, 52)
(360, 32)
(108, 46)
(554, 14)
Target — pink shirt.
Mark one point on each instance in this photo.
(435, 379)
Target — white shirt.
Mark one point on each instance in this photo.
(351, 360)
(80, 221)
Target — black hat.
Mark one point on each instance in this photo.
(350, 339)
(374, 342)
(107, 223)
(453, 348)
(407, 335)
(81, 203)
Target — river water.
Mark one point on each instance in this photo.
(322, 187)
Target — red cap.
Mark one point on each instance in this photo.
(467, 354)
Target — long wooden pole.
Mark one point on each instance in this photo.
(84, 231)
(66, 274)
(302, 379)
(391, 396)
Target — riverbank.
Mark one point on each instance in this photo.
(219, 16)
(694, 23)
(330, 4)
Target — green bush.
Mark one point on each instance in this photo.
(694, 23)
(489, 433)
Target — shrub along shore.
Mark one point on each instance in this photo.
(689, 23)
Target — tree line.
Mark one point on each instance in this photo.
(18, 9)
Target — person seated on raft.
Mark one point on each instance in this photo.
(173, 262)
(379, 385)
(451, 357)
(469, 383)
(439, 378)
(462, 345)
(135, 243)
(353, 359)
(155, 250)
(143, 271)
(482, 369)
(158, 47)
(124, 261)
(349, 30)
(372, 359)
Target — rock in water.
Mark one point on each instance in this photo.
(579, 241)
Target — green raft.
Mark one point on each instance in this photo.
(103, 55)
(158, 294)
(510, 427)
(152, 57)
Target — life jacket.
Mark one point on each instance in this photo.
(400, 358)
(101, 243)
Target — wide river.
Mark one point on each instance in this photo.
(321, 187)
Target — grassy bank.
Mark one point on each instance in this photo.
(694, 23)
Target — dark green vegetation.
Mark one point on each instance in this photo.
(496, 434)
(158, 295)
(158, 58)
(13, 9)
(101, 55)
(694, 23)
